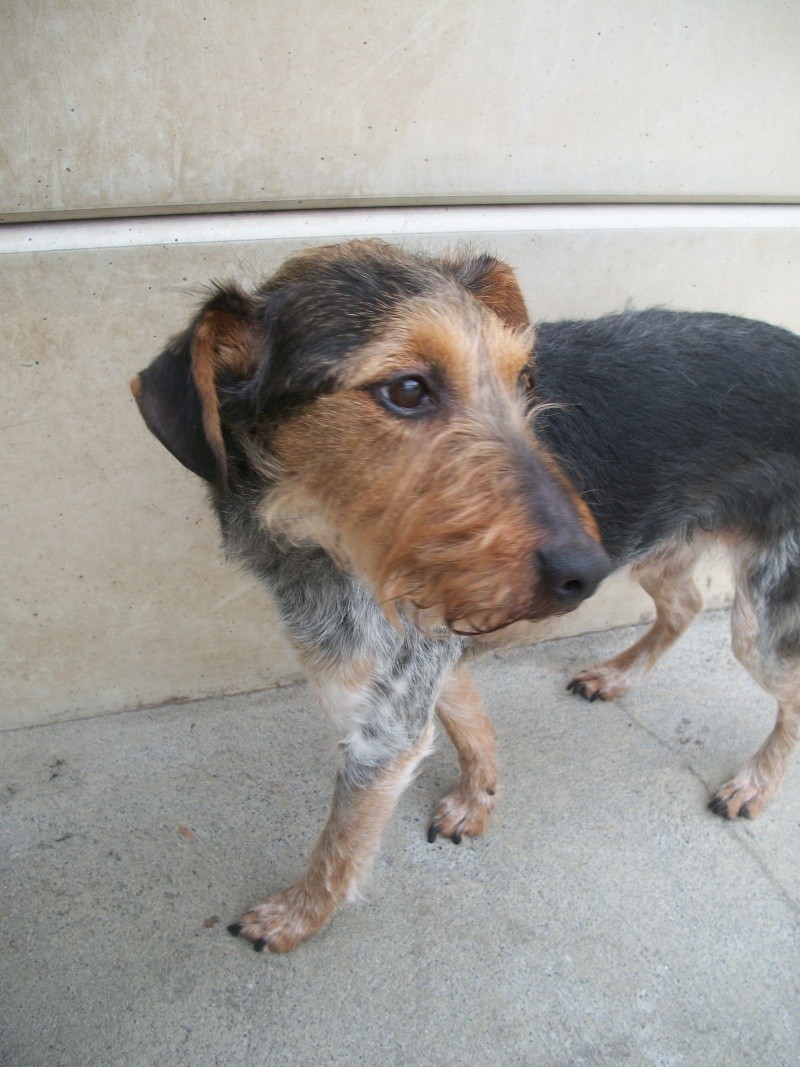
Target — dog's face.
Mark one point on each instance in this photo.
(378, 402)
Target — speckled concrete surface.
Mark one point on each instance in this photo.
(606, 918)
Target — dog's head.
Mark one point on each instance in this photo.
(375, 402)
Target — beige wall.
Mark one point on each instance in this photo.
(138, 106)
(114, 590)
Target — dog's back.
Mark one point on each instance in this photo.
(674, 421)
(681, 429)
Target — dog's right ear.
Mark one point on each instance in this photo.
(178, 394)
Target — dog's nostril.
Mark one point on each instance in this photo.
(572, 573)
(571, 591)
(573, 585)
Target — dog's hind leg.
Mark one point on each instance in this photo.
(765, 625)
(667, 578)
(467, 809)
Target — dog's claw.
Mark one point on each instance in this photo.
(719, 807)
(434, 829)
(579, 688)
(236, 928)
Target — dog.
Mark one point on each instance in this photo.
(416, 474)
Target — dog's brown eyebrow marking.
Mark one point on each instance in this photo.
(432, 336)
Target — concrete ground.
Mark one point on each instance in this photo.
(606, 917)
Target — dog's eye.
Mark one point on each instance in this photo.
(408, 395)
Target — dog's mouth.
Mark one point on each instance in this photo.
(435, 622)
(475, 626)
(484, 602)
(475, 631)
(472, 630)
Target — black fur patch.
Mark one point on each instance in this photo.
(310, 326)
(674, 421)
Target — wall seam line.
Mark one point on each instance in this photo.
(342, 223)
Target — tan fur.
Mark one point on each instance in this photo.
(461, 711)
(754, 786)
(340, 860)
(749, 791)
(472, 351)
(667, 578)
(500, 291)
(459, 538)
(222, 342)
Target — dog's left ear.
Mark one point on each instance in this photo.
(178, 394)
(494, 284)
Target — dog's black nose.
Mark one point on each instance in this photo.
(572, 572)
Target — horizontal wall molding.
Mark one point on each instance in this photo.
(344, 203)
(340, 224)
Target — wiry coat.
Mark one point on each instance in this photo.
(409, 469)
(361, 419)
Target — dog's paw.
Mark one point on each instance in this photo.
(743, 797)
(604, 682)
(462, 814)
(282, 922)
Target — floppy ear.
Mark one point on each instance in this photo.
(494, 284)
(178, 393)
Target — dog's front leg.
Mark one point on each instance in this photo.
(379, 683)
(363, 801)
(466, 811)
